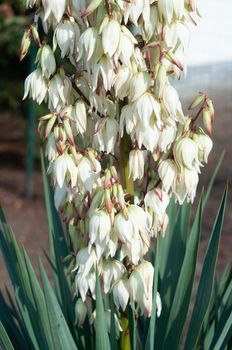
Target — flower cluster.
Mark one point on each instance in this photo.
(117, 141)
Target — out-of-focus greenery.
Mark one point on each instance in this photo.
(13, 22)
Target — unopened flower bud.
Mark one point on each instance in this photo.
(25, 44)
(80, 312)
(197, 101)
(160, 80)
(207, 120)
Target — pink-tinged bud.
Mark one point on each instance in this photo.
(192, 4)
(25, 44)
(45, 117)
(107, 179)
(91, 8)
(36, 35)
(120, 196)
(108, 202)
(114, 173)
(50, 125)
(211, 108)
(68, 131)
(197, 101)
(174, 60)
(207, 120)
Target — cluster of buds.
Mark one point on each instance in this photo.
(117, 141)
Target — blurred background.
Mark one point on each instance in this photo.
(21, 189)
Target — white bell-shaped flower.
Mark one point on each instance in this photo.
(167, 172)
(65, 168)
(112, 272)
(121, 293)
(36, 86)
(136, 164)
(186, 154)
(66, 36)
(205, 145)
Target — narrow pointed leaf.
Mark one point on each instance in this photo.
(5, 342)
(61, 336)
(180, 303)
(102, 338)
(206, 281)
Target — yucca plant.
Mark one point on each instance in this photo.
(120, 152)
(38, 316)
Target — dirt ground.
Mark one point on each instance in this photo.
(27, 215)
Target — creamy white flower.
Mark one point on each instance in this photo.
(106, 134)
(157, 200)
(55, 7)
(80, 117)
(172, 103)
(111, 35)
(47, 61)
(186, 154)
(66, 35)
(122, 82)
(141, 287)
(185, 185)
(167, 172)
(60, 91)
(51, 150)
(205, 145)
(36, 86)
(88, 173)
(87, 43)
(139, 84)
(65, 168)
(112, 272)
(166, 8)
(99, 226)
(121, 293)
(176, 32)
(105, 69)
(136, 164)
(167, 137)
(85, 261)
(145, 107)
(179, 8)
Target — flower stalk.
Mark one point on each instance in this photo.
(116, 132)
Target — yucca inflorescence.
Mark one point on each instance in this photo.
(117, 141)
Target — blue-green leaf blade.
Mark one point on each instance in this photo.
(206, 281)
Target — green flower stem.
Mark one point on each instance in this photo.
(125, 148)
(128, 185)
